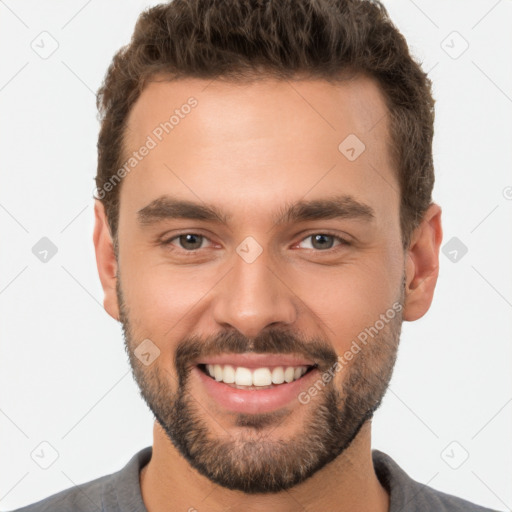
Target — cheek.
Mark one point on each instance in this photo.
(161, 298)
(162, 307)
(336, 302)
(346, 300)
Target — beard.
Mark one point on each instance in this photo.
(252, 461)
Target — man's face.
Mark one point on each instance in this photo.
(257, 288)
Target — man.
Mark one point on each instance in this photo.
(290, 144)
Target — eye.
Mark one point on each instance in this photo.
(187, 241)
(324, 241)
(194, 241)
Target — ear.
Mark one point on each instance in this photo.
(422, 264)
(105, 260)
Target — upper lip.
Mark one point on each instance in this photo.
(252, 360)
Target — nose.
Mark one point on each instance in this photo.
(252, 297)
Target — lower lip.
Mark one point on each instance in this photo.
(254, 401)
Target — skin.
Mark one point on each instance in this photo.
(283, 138)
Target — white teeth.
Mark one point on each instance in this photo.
(260, 377)
(278, 375)
(228, 374)
(289, 374)
(243, 377)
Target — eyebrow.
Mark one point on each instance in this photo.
(341, 206)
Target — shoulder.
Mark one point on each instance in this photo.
(110, 493)
(408, 494)
(427, 496)
(86, 497)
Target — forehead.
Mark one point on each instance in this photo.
(263, 140)
(355, 103)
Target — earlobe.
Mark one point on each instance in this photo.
(105, 260)
(422, 264)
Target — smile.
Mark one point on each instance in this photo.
(257, 378)
(254, 383)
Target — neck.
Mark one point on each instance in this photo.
(349, 483)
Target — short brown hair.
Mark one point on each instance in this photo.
(242, 40)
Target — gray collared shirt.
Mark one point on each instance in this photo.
(120, 491)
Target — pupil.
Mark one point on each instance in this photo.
(320, 238)
(194, 240)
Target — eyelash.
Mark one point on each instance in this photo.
(342, 241)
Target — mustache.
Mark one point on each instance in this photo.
(275, 341)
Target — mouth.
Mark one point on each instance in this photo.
(265, 377)
(254, 384)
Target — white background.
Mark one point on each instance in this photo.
(64, 375)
